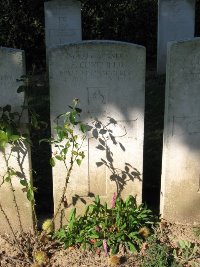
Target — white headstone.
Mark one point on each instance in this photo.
(108, 78)
(176, 21)
(180, 193)
(62, 22)
(12, 67)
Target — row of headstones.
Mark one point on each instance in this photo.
(109, 79)
(176, 21)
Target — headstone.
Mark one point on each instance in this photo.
(12, 67)
(62, 22)
(180, 193)
(176, 21)
(108, 77)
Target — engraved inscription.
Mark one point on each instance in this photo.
(88, 65)
(6, 77)
(97, 99)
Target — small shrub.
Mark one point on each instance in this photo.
(158, 255)
(107, 228)
(186, 252)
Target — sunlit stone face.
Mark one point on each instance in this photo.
(180, 194)
(12, 67)
(108, 78)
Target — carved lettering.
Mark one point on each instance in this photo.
(6, 77)
(83, 66)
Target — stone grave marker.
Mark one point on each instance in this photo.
(12, 67)
(62, 22)
(180, 193)
(109, 78)
(176, 21)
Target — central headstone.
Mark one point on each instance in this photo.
(180, 194)
(12, 67)
(176, 21)
(62, 22)
(108, 78)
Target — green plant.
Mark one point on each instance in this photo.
(107, 228)
(186, 252)
(67, 143)
(14, 139)
(197, 231)
(157, 254)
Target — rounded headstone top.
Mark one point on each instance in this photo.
(10, 49)
(97, 42)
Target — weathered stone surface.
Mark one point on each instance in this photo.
(62, 22)
(108, 78)
(176, 21)
(12, 67)
(180, 193)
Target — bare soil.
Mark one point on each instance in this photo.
(169, 234)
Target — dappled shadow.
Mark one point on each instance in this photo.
(21, 152)
(107, 138)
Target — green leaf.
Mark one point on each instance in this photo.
(72, 218)
(3, 144)
(75, 153)
(14, 138)
(3, 136)
(61, 135)
(131, 247)
(30, 194)
(115, 249)
(58, 158)
(23, 182)
(65, 150)
(98, 244)
(79, 162)
(94, 236)
(8, 178)
(72, 117)
(52, 162)
(79, 239)
(97, 199)
(3, 139)
(78, 110)
(83, 128)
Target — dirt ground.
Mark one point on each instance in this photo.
(169, 234)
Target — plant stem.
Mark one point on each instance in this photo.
(12, 189)
(16, 206)
(10, 226)
(64, 191)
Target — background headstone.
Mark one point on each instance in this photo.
(12, 67)
(180, 194)
(62, 22)
(176, 21)
(109, 79)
